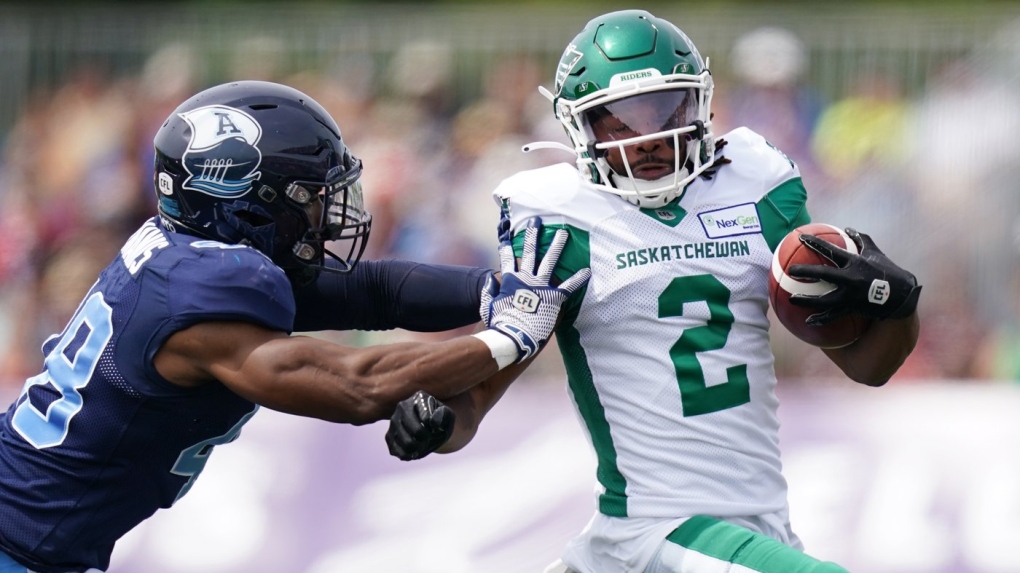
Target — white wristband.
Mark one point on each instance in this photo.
(503, 350)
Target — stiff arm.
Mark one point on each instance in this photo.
(472, 406)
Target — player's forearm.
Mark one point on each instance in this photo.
(471, 406)
(469, 417)
(363, 385)
(879, 352)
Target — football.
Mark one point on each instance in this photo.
(791, 251)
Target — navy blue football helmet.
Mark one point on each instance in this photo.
(263, 164)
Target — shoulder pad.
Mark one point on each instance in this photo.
(231, 282)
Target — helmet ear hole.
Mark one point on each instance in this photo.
(253, 219)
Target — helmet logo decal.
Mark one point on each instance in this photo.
(166, 184)
(585, 88)
(222, 159)
(568, 60)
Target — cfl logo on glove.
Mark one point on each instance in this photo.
(525, 301)
(879, 291)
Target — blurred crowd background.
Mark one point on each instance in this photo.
(901, 118)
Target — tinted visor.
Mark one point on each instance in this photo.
(641, 115)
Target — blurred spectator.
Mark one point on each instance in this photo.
(42, 306)
(865, 130)
(770, 96)
(965, 170)
(258, 58)
(997, 356)
(861, 143)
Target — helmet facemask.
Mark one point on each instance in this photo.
(622, 134)
(338, 224)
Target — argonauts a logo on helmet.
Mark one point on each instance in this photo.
(222, 158)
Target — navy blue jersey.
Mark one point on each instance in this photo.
(99, 441)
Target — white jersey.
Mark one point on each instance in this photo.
(667, 348)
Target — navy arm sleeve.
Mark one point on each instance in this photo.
(381, 295)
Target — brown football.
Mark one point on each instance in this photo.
(791, 251)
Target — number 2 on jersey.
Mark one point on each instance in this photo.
(697, 397)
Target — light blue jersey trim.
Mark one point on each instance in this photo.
(9, 565)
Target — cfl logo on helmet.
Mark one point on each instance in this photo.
(166, 184)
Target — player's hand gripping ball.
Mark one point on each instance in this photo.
(837, 333)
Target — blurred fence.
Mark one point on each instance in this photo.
(41, 45)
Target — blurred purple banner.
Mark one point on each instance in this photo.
(912, 478)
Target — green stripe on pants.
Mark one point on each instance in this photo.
(734, 544)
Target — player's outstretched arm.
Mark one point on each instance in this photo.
(868, 285)
(386, 294)
(312, 377)
(415, 431)
(316, 378)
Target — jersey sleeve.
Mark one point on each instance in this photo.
(782, 210)
(758, 164)
(517, 198)
(207, 281)
(380, 295)
(226, 282)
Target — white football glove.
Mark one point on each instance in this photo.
(526, 306)
(489, 291)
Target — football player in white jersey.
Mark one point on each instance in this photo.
(667, 347)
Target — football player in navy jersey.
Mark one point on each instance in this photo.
(187, 332)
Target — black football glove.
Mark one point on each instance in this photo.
(867, 285)
(419, 426)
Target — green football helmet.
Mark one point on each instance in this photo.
(627, 83)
